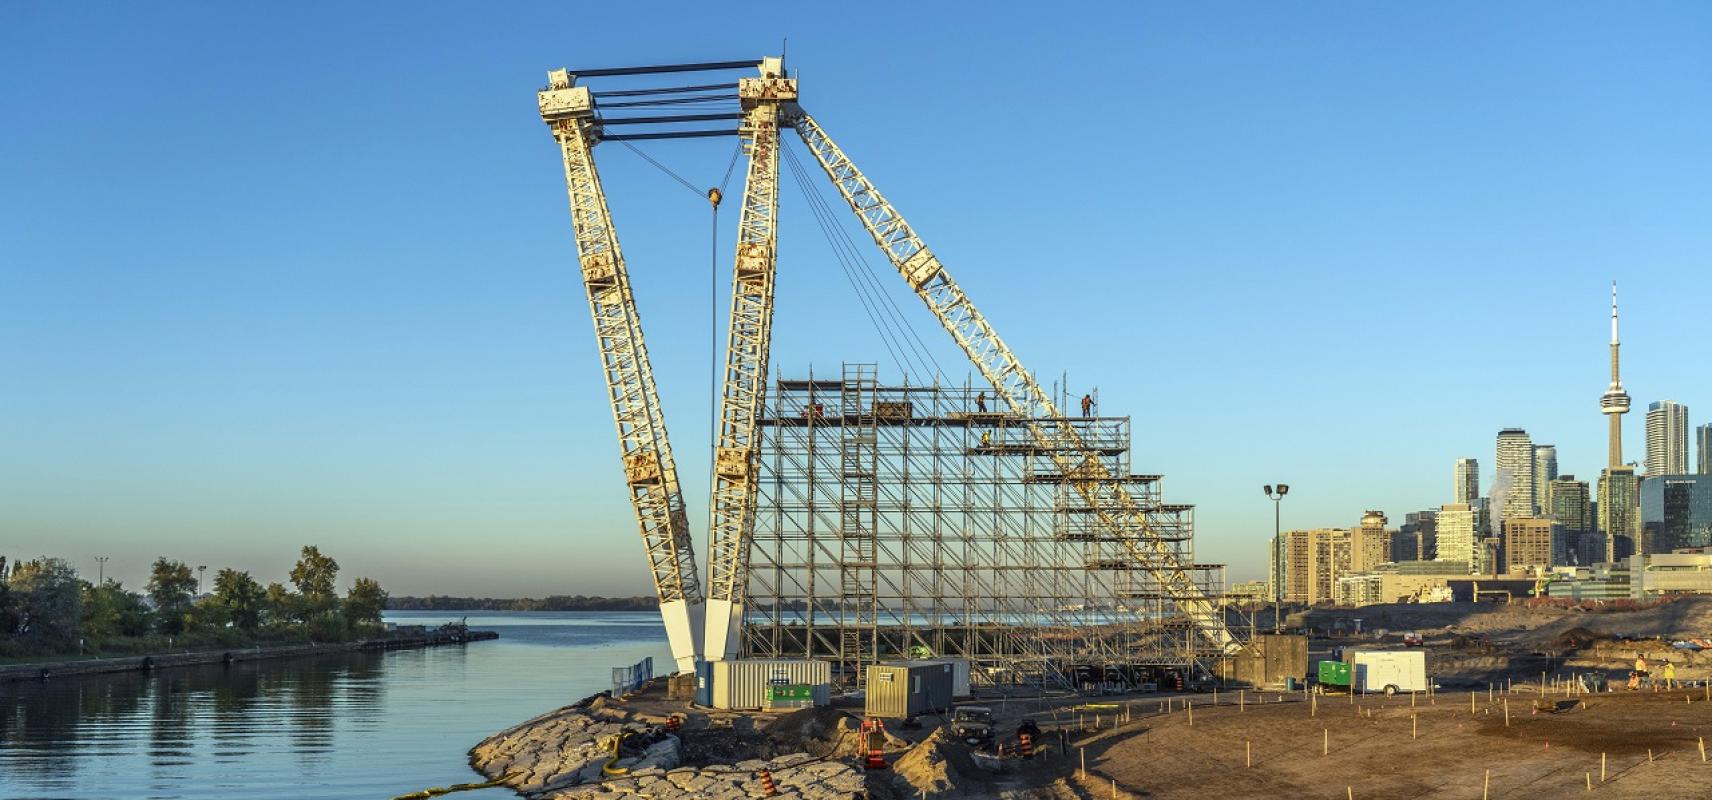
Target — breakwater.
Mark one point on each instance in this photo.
(100, 666)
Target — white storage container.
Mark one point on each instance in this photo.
(742, 684)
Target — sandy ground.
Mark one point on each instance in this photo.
(1373, 753)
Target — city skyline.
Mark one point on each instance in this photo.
(385, 352)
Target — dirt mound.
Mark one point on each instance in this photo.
(1576, 638)
(936, 766)
(818, 732)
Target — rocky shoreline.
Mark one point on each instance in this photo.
(562, 754)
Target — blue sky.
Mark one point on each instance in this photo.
(302, 273)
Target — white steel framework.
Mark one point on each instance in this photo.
(649, 470)
(1105, 493)
(747, 348)
(1138, 540)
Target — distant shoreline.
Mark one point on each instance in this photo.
(47, 670)
(553, 603)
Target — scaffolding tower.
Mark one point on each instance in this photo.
(894, 520)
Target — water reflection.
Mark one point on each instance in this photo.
(356, 725)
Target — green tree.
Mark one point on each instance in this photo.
(364, 602)
(242, 598)
(280, 606)
(171, 586)
(47, 603)
(110, 611)
(314, 577)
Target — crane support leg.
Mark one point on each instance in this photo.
(747, 349)
(649, 471)
(1116, 509)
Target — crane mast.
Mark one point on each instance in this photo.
(1114, 506)
(747, 349)
(649, 471)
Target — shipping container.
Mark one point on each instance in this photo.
(742, 684)
(896, 690)
(959, 672)
(704, 684)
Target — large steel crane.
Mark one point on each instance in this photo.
(1053, 435)
(767, 102)
(649, 470)
(747, 348)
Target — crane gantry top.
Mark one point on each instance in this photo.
(765, 102)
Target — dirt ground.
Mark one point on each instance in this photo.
(1374, 754)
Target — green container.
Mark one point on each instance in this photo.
(785, 692)
(1334, 673)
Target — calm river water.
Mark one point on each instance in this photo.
(365, 725)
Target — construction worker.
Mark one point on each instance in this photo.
(1641, 667)
(981, 402)
(1669, 674)
(986, 439)
(1087, 405)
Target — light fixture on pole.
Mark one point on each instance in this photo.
(1276, 495)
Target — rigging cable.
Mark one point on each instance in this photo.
(912, 344)
(826, 225)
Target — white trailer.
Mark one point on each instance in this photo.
(1387, 671)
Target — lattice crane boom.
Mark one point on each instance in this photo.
(649, 470)
(747, 349)
(1116, 509)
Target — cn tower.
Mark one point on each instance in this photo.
(1615, 402)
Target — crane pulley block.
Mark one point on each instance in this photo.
(733, 463)
(920, 268)
(599, 270)
(770, 86)
(754, 259)
(564, 102)
(642, 468)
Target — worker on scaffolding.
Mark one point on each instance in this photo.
(981, 402)
(986, 439)
(1087, 405)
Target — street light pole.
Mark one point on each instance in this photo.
(199, 570)
(101, 571)
(1277, 498)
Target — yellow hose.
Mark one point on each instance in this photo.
(609, 768)
(456, 787)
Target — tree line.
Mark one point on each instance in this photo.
(556, 602)
(47, 609)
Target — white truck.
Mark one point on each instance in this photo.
(1388, 671)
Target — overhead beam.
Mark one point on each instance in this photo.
(706, 66)
(668, 119)
(624, 137)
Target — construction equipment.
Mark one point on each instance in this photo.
(747, 348)
(768, 101)
(649, 470)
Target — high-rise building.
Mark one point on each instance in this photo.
(1467, 486)
(1513, 482)
(1372, 545)
(1703, 449)
(1418, 538)
(1619, 512)
(1310, 563)
(1545, 471)
(1457, 540)
(1667, 438)
(1619, 492)
(1676, 512)
(1529, 544)
(1572, 510)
